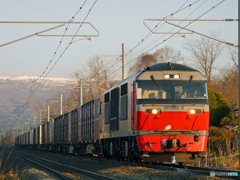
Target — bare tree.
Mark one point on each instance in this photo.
(95, 80)
(204, 53)
(233, 51)
(165, 54)
(227, 84)
(168, 54)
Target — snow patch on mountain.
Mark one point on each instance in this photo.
(37, 79)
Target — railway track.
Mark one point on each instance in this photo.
(199, 171)
(45, 163)
(171, 167)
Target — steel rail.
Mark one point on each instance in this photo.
(82, 171)
(45, 167)
(178, 168)
(197, 170)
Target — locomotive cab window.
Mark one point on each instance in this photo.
(190, 91)
(157, 90)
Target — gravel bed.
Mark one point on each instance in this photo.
(117, 169)
(29, 171)
(63, 170)
(24, 169)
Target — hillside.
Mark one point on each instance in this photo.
(15, 90)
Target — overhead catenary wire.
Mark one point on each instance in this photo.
(174, 33)
(156, 26)
(79, 10)
(31, 94)
(171, 29)
(54, 54)
(61, 53)
(147, 36)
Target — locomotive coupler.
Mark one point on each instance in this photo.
(173, 143)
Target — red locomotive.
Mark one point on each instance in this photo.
(160, 114)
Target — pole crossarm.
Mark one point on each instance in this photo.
(46, 22)
(190, 31)
(117, 56)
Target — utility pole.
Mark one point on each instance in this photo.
(124, 76)
(80, 92)
(238, 78)
(61, 104)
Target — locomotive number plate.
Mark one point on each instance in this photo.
(173, 108)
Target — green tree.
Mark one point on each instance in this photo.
(218, 107)
(230, 119)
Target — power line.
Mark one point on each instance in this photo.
(147, 36)
(156, 26)
(31, 94)
(172, 28)
(65, 48)
(173, 34)
(55, 52)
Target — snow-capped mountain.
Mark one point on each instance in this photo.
(15, 90)
(27, 79)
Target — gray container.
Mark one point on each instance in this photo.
(31, 137)
(79, 126)
(65, 128)
(74, 126)
(69, 127)
(61, 130)
(39, 134)
(96, 130)
(48, 132)
(28, 137)
(34, 136)
(51, 132)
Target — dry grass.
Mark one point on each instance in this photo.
(228, 162)
(72, 175)
(225, 162)
(144, 173)
(11, 175)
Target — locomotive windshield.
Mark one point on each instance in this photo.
(190, 92)
(159, 92)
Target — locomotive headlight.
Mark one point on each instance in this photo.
(167, 76)
(195, 111)
(154, 111)
(176, 76)
(192, 111)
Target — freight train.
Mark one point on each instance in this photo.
(160, 114)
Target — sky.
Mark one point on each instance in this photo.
(118, 21)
